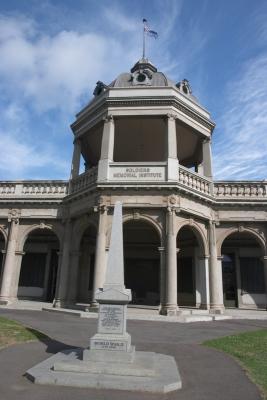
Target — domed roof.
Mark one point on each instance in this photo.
(145, 74)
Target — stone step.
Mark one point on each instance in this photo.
(196, 318)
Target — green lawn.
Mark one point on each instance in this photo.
(12, 332)
(250, 349)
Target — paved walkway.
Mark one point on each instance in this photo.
(206, 374)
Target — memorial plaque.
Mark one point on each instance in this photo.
(155, 173)
(109, 345)
(111, 318)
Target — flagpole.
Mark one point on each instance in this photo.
(144, 41)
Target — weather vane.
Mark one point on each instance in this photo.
(147, 31)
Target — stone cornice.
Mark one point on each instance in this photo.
(165, 101)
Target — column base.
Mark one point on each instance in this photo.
(204, 307)
(94, 307)
(169, 310)
(57, 303)
(217, 309)
(5, 301)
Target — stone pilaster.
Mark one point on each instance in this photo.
(63, 275)
(215, 273)
(162, 278)
(107, 148)
(9, 286)
(100, 256)
(203, 265)
(207, 159)
(170, 307)
(73, 276)
(173, 173)
(75, 164)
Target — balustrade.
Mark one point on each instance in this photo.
(34, 188)
(84, 180)
(194, 181)
(240, 189)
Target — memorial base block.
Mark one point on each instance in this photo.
(148, 372)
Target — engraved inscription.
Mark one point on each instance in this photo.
(139, 173)
(111, 318)
(109, 345)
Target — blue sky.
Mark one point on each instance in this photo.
(53, 52)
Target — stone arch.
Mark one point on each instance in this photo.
(79, 228)
(198, 231)
(30, 229)
(38, 270)
(261, 241)
(145, 218)
(141, 243)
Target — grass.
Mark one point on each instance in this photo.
(250, 349)
(12, 332)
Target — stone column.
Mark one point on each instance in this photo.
(171, 307)
(9, 288)
(73, 277)
(100, 255)
(162, 282)
(203, 267)
(173, 173)
(63, 270)
(75, 165)
(107, 148)
(265, 276)
(207, 158)
(215, 273)
(18, 261)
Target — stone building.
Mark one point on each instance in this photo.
(188, 240)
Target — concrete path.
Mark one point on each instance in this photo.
(206, 374)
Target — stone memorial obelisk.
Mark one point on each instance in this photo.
(111, 362)
(113, 299)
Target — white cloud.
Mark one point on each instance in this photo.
(53, 72)
(240, 153)
(20, 160)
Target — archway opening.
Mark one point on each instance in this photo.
(86, 265)
(2, 249)
(243, 271)
(142, 262)
(188, 274)
(38, 273)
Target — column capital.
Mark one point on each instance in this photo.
(212, 222)
(171, 116)
(101, 208)
(13, 215)
(171, 209)
(264, 258)
(108, 118)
